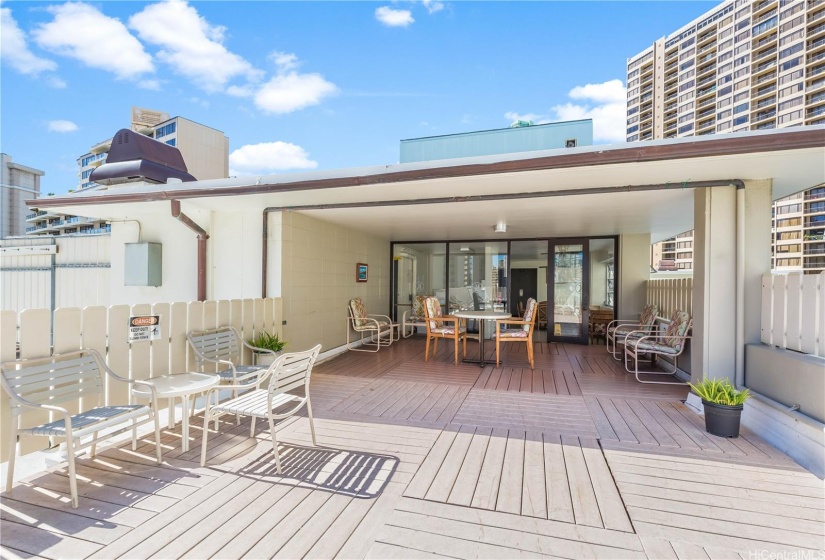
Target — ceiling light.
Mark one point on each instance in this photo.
(464, 249)
(501, 227)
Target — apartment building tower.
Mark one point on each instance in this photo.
(741, 66)
(18, 183)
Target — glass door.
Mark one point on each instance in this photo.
(568, 291)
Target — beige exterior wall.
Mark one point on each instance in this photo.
(633, 274)
(205, 150)
(13, 209)
(318, 261)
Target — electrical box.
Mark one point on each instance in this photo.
(144, 266)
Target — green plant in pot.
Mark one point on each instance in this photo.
(723, 405)
(266, 341)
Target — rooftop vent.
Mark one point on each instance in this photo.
(134, 157)
(521, 124)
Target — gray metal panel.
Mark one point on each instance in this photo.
(144, 264)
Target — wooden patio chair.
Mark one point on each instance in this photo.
(438, 326)
(618, 329)
(541, 320)
(289, 372)
(524, 333)
(671, 344)
(376, 331)
(43, 383)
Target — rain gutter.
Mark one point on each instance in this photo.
(202, 237)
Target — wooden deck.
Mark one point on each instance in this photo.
(574, 459)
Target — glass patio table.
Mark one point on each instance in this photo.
(481, 316)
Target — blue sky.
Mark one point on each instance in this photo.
(313, 85)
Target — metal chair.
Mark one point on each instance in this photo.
(289, 372)
(43, 383)
(370, 326)
(618, 329)
(671, 344)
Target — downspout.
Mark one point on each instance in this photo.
(739, 376)
(265, 249)
(202, 237)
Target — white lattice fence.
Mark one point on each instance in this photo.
(106, 329)
(793, 312)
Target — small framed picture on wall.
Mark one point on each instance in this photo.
(361, 272)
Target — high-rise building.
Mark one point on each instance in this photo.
(18, 183)
(740, 66)
(204, 149)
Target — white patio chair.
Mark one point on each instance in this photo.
(369, 326)
(288, 372)
(618, 329)
(671, 344)
(43, 383)
(224, 346)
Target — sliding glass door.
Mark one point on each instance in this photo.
(568, 291)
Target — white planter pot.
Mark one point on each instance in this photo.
(265, 359)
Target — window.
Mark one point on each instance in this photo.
(684, 245)
(726, 32)
(166, 130)
(743, 12)
(725, 68)
(685, 97)
(740, 120)
(686, 128)
(632, 120)
(723, 115)
(633, 138)
(789, 208)
(687, 64)
(796, 74)
(686, 107)
(686, 54)
(789, 222)
(687, 75)
(741, 72)
(726, 44)
(816, 206)
(172, 141)
(785, 105)
(791, 11)
(687, 43)
(685, 118)
(742, 36)
(741, 84)
(725, 90)
(784, 53)
(787, 235)
(740, 96)
(798, 34)
(791, 24)
(743, 24)
(788, 262)
(790, 64)
(632, 83)
(790, 90)
(723, 103)
(764, 26)
(633, 129)
(742, 60)
(723, 80)
(686, 85)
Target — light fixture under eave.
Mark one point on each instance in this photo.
(501, 227)
(464, 249)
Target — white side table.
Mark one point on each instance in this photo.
(181, 385)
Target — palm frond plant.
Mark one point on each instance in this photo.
(723, 405)
(267, 342)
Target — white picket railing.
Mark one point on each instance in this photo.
(106, 329)
(670, 294)
(793, 312)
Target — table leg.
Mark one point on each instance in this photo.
(184, 446)
(481, 343)
(171, 408)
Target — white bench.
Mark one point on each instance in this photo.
(43, 383)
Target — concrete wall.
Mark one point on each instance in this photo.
(205, 150)
(318, 278)
(790, 378)
(632, 274)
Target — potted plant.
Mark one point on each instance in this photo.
(723, 405)
(266, 341)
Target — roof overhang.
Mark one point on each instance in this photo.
(594, 183)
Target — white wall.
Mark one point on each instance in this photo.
(234, 250)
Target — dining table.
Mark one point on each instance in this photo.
(481, 316)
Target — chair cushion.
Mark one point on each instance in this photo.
(370, 326)
(648, 316)
(528, 313)
(649, 345)
(678, 327)
(418, 308)
(89, 418)
(512, 333)
(447, 330)
(358, 311)
(433, 310)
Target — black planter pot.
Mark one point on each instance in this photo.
(722, 420)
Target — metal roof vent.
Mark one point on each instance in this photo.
(134, 157)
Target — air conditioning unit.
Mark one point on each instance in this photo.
(570, 143)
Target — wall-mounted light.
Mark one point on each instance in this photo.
(501, 227)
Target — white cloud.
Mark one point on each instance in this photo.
(284, 61)
(268, 157)
(61, 126)
(393, 18)
(512, 116)
(56, 83)
(15, 50)
(605, 103)
(82, 32)
(433, 6)
(191, 45)
(291, 91)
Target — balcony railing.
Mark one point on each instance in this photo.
(816, 29)
(816, 111)
(764, 41)
(765, 90)
(765, 126)
(764, 66)
(763, 115)
(764, 17)
(817, 43)
(816, 57)
(707, 47)
(765, 102)
(765, 78)
(707, 80)
(816, 98)
(816, 71)
(764, 53)
(705, 91)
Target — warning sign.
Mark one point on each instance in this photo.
(144, 327)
